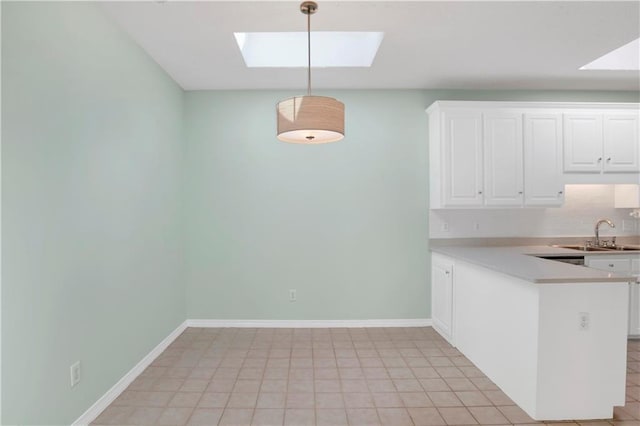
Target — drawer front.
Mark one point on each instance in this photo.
(612, 264)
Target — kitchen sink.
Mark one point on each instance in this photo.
(583, 247)
(625, 248)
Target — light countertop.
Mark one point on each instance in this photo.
(521, 262)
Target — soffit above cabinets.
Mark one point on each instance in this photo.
(427, 44)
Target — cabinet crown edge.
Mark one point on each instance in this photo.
(632, 106)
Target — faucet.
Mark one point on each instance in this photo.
(597, 229)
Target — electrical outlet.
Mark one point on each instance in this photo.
(476, 226)
(292, 295)
(628, 225)
(583, 318)
(75, 373)
(445, 226)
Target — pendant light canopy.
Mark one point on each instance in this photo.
(310, 119)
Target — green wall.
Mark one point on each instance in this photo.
(91, 160)
(344, 224)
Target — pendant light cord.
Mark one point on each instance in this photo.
(309, 53)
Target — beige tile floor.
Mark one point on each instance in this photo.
(359, 376)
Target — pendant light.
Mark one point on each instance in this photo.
(310, 119)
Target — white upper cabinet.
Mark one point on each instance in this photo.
(543, 160)
(521, 154)
(488, 156)
(583, 143)
(600, 142)
(462, 158)
(503, 161)
(621, 143)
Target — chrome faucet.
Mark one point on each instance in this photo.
(597, 229)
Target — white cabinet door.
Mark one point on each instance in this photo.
(543, 160)
(634, 309)
(634, 299)
(462, 145)
(583, 143)
(503, 162)
(621, 143)
(597, 142)
(442, 296)
(630, 263)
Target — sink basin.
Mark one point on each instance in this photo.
(624, 248)
(582, 247)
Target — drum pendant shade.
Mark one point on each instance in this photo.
(310, 119)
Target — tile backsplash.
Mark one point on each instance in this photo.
(584, 205)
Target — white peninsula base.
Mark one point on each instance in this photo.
(557, 349)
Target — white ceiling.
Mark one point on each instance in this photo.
(436, 45)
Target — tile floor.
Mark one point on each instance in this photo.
(363, 376)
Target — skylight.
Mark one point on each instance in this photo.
(626, 58)
(328, 49)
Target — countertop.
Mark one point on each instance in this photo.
(521, 262)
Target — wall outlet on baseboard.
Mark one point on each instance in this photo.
(75, 373)
(292, 295)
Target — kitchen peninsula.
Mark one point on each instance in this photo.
(551, 335)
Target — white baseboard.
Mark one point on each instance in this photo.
(94, 411)
(214, 323)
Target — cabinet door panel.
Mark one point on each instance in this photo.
(583, 143)
(622, 264)
(442, 296)
(634, 309)
(463, 158)
(503, 170)
(543, 160)
(621, 143)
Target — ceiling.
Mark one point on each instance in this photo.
(435, 45)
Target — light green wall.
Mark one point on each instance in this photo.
(344, 224)
(91, 160)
